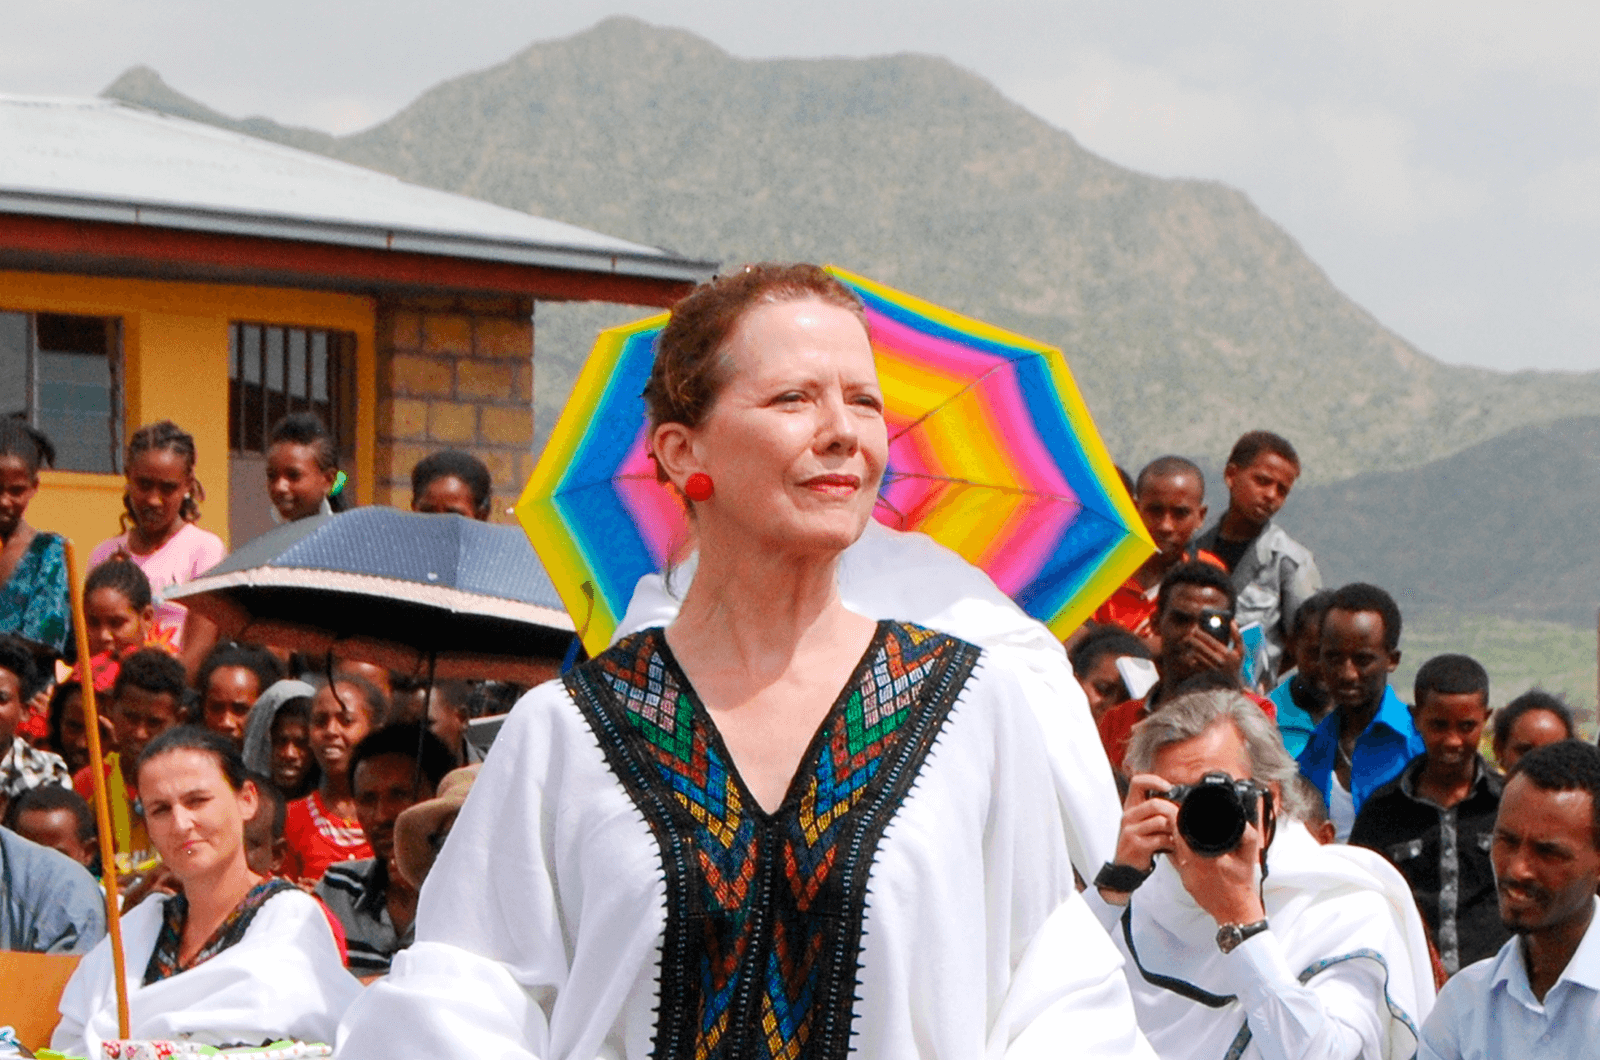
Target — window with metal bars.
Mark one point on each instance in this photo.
(63, 374)
(274, 370)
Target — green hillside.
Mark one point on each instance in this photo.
(1187, 316)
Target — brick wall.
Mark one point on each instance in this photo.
(454, 373)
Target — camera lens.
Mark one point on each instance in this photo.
(1212, 820)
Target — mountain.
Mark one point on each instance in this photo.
(1187, 315)
(1509, 528)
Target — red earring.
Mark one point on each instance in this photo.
(698, 487)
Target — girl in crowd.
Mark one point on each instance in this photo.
(161, 507)
(303, 476)
(451, 481)
(119, 611)
(277, 739)
(33, 564)
(775, 827)
(234, 957)
(322, 827)
(231, 679)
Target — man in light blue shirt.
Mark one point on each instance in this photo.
(48, 902)
(1540, 995)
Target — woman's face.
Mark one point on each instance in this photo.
(158, 481)
(337, 727)
(796, 442)
(112, 623)
(296, 483)
(17, 487)
(291, 752)
(195, 820)
(447, 494)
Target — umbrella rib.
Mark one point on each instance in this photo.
(969, 385)
(903, 475)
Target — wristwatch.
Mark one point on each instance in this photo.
(1121, 879)
(1229, 936)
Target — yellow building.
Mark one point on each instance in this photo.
(155, 268)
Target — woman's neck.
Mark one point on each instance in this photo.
(755, 607)
(334, 787)
(143, 544)
(213, 898)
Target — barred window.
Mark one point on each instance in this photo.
(275, 370)
(63, 374)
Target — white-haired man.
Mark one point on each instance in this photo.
(1261, 942)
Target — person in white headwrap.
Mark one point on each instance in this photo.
(778, 827)
(1274, 947)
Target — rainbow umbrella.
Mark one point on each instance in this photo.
(991, 452)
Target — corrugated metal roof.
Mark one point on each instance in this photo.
(105, 160)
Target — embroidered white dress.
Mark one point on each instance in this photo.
(610, 890)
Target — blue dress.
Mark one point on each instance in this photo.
(34, 603)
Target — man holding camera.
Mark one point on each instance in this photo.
(1241, 935)
(1199, 645)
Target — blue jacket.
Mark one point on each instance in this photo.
(1382, 750)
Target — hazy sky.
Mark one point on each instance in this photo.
(1441, 160)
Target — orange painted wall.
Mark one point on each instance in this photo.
(175, 359)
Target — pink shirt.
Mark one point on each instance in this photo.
(188, 553)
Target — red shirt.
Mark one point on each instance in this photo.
(1133, 607)
(1116, 724)
(318, 837)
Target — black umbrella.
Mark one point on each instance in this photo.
(399, 589)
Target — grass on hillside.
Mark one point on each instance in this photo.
(1519, 654)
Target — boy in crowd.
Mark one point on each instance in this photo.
(1094, 664)
(264, 844)
(146, 701)
(1533, 719)
(391, 770)
(1435, 821)
(231, 679)
(1300, 698)
(1272, 573)
(1540, 995)
(22, 766)
(1369, 736)
(1170, 495)
(59, 818)
(1190, 658)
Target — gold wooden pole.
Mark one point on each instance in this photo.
(102, 805)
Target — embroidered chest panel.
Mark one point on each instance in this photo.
(764, 912)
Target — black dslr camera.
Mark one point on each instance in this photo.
(1213, 814)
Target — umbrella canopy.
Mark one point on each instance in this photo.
(394, 588)
(991, 452)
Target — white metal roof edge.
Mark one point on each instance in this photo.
(660, 265)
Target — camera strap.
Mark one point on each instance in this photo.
(1180, 987)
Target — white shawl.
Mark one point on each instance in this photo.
(283, 979)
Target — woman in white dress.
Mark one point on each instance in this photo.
(236, 958)
(776, 827)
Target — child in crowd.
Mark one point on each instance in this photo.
(303, 476)
(231, 679)
(1436, 821)
(22, 766)
(264, 844)
(146, 701)
(119, 611)
(161, 505)
(1533, 719)
(33, 563)
(66, 735)
(59, 818)
(451, 481)
(1094, 664)
(1301, 700)
(322, 827)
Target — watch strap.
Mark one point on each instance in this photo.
(1119, 878)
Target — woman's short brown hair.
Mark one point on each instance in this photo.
(689, 370)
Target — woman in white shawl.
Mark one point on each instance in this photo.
(777, 827)
(236, 959)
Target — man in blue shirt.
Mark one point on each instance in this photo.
(48, 902)
(1369, 737)
(1540, 995)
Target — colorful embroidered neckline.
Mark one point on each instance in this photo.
(764, 911)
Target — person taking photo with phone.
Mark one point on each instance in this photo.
(1200, 649)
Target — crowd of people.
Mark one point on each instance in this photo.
(828, 790)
